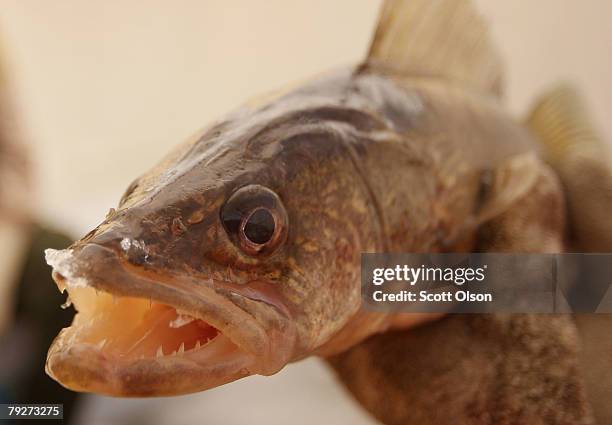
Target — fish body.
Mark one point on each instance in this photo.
(240, 252)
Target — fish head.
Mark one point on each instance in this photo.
(236, 255)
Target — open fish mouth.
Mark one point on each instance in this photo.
(138, 335)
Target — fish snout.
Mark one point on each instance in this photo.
(116, 237)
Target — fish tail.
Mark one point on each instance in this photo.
(436, 38)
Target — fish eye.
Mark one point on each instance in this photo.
(255, 220)
(259, 226)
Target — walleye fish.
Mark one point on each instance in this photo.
(240, 252)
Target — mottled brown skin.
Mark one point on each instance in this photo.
(480, 369)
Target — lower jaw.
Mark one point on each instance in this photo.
(84, 367)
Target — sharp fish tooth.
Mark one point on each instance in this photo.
(181, 349)
(67, 304)
(197, 345)
(115, 300)
(174, 353)
(101, 344)
(160, 352)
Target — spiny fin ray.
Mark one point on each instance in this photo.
(437, 38)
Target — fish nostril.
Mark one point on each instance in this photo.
(135, 250)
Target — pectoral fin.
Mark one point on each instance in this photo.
(583, 161)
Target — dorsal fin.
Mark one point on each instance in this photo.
(438, 38)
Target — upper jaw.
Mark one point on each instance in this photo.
(246, 345)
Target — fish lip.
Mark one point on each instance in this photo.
(102, 268)
(83, 367)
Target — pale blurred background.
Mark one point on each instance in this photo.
(105, 88)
